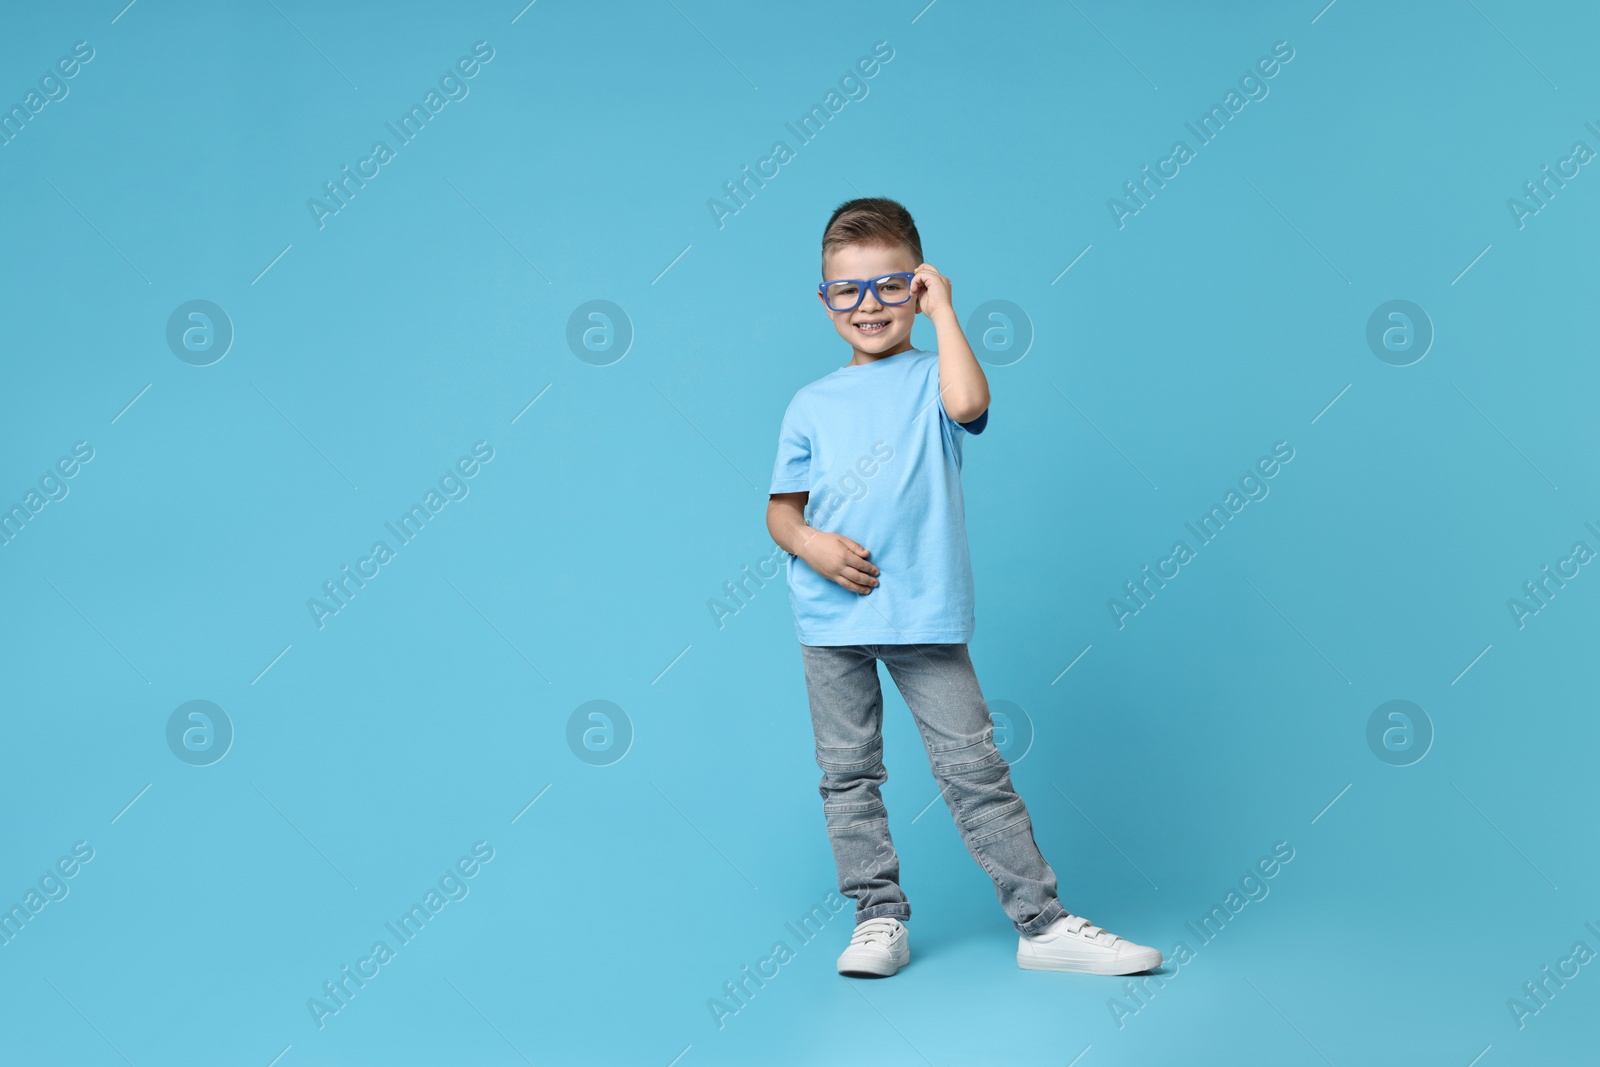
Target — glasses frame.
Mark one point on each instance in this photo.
(863, 284)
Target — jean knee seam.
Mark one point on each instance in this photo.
(1013, 827)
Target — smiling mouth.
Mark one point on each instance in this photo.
(873, 326)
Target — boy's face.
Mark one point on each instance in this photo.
(874, 329)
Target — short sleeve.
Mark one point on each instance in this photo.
(792, 471)
(977, 424)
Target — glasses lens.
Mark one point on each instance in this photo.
(842, 296)
(893, 290)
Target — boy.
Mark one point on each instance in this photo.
(878, 442)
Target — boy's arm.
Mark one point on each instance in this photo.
(962, 384)
(786, 522)
(832, 555)
(961, 379)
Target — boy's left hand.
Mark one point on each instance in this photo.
(932, 290)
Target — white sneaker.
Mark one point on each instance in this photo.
(1071, 944)
(878, 947)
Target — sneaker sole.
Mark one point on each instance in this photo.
(876, 968)
(1131, 965)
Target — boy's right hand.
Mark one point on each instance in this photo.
(841, 560)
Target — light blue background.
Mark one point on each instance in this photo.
(427, 715)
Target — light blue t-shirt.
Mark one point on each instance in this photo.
(881, 459)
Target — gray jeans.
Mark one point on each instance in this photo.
(941, 689)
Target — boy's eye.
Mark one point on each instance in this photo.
(892, 285)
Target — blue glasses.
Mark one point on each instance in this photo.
(845, 294)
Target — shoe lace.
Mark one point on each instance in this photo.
(881, 929)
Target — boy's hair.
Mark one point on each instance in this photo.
(870, 220)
